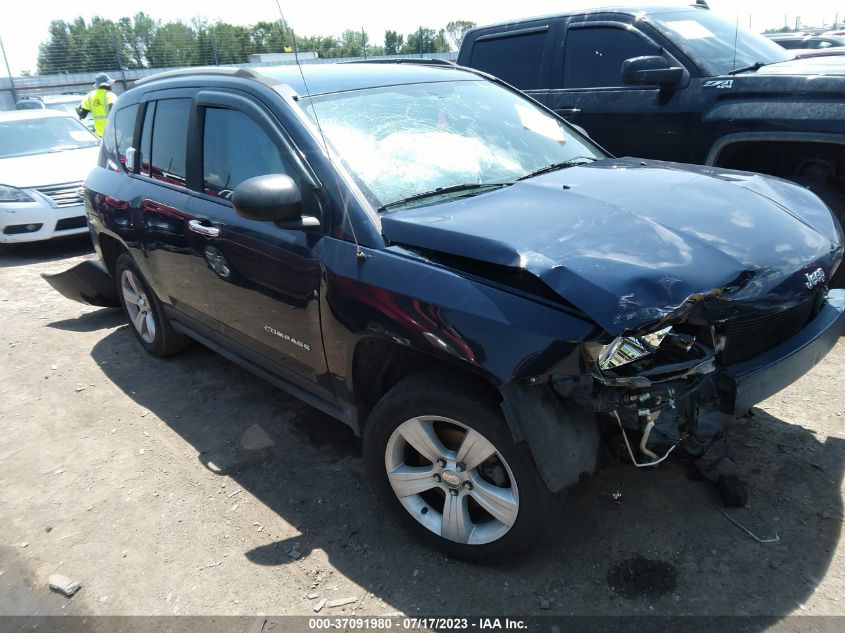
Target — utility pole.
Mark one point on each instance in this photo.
(214, 49)
(420, 38)
(9, 70)
(119, 62)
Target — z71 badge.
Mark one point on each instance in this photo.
(719, 84)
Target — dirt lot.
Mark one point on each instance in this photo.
(181, 487)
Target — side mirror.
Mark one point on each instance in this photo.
(272, 198)
(129, 159)
(651, 70)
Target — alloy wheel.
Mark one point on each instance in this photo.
(138, 306)
(452, 480)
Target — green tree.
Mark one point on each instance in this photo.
(425, 40)
(174, 44)
(270, 37)
(137, 33)
(351, 44)
(392, 42)
(456, 30)
(54, 54)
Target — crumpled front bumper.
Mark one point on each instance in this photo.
(88, 282)
(745, 384)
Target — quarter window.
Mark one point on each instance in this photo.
(593, 56)
(516, 59)
(169, 140)
(234, 149)
(147, 138)
(124, 132)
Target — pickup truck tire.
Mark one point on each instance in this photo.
(146, 316)
(442, 461)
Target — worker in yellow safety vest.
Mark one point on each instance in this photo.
(98, 102)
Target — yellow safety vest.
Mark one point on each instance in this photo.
(98, 102)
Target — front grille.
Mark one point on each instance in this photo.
(747, 338)
(65, 195)
(71, 223)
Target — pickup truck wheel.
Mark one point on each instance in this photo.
(146, 316)
(442, 461)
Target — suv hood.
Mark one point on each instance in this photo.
(38, 170)
(629, 243)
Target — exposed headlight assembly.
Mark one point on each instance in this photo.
(12, 194)
(628, 349)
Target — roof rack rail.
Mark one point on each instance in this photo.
(226, 71)
(427, 61)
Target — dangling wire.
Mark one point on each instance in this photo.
(359, 254)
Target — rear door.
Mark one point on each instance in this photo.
(161, 208)
(259, 283)
(628, 120)
(520, 54)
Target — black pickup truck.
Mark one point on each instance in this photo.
(679, 84)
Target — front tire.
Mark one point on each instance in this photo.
(147, 319)
(442, 461)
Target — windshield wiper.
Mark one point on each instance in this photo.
(62, 148)
(747, 69)
(572, 162)
(472, 186)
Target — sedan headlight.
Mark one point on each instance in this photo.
(627, 349)
(12, 194)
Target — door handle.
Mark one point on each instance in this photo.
(565, 111)
(198, 227)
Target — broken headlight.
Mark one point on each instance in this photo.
(628, 349)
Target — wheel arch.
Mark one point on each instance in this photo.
(110, 249)
(562, 440)
(379, 363)
(718, 149)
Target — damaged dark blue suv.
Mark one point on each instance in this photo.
(459, 275)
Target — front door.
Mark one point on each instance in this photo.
(257, 284)
(642, 121)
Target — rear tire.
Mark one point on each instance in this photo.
(484, 498)
(146, 316)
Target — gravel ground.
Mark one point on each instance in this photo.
(187, 486)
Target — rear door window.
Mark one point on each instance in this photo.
(593, 56)
(517, 58)
(169, 141)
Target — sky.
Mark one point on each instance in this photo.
(23, 29)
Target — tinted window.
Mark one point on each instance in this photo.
(235, 148)
(124, 131)
(147, 138)
(516, 59)
(107, 147)
(593, 56)
(170, 138)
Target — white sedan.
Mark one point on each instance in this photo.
(44, 157)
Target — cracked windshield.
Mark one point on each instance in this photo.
(400, 142)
